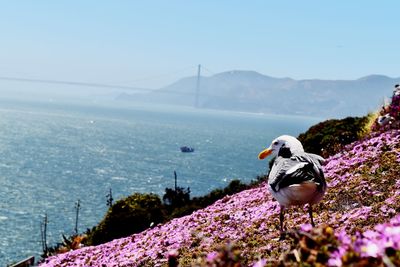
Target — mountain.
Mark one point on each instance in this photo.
(251, 91)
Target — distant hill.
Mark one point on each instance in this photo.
(251, 91)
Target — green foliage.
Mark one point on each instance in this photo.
(136, 212)
(177, 202)
(176, 198)
(328, 137)
(128, 216)
(234, 186)
(197, 203)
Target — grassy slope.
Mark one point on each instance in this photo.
(364, 190)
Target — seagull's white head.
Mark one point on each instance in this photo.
(283, 141)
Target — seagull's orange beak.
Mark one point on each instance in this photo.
(265, 153)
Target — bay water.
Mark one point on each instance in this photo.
(52, 155)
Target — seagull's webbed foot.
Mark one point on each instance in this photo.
(282, 235)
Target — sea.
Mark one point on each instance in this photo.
(54, 155)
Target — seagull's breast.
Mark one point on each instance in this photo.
(298, 194)
(297, 180)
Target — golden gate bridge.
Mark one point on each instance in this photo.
(195, 92)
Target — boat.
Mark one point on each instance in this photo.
(187, 149)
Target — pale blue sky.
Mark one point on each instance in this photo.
(153, 43)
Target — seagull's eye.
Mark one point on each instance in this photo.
(275, 143)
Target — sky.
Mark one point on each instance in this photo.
(153, 43)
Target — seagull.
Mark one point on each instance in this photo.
(296, 177)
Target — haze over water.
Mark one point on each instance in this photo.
(52, 156)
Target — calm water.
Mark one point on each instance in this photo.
(52, 155)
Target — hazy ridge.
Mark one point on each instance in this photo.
(254, 92)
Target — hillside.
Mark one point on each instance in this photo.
(364, 191)
(358, 219)
(253, 92)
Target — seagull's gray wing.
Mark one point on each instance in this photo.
(296, 170)
(314, 158)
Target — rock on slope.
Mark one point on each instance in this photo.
(364, 191)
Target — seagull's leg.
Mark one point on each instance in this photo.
(310, 211)
(281, 219)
